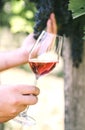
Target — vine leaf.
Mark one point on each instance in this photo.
(77, 7)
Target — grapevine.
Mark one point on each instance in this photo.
(66, 25)
(77, 41)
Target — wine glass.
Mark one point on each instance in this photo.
(45, 54)
(42, 59)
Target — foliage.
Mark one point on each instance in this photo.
(78, 10)
(18, 15)
(70, 22)
(77, 7)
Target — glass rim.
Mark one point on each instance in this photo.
(44, 31)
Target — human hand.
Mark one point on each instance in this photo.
(51, 24)
(30, 41)
(15, 99)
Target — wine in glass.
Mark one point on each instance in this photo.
(42, 59)
(45, 54)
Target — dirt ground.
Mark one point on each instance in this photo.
(49, 111)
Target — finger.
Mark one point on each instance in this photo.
(5, 119)
(27, 89)
(49, 26)
(53, 23)
(29, 99)
(19, 108)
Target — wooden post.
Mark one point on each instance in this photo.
(74, 90)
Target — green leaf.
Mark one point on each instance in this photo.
(77, 7)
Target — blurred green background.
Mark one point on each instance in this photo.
(17, 20)
(18, 15)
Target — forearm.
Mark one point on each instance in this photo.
(12, 59)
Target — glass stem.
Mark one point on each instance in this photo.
(36, 78)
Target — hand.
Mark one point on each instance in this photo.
(51, 24)
(30, 41)
(15, 99)
(27, 45)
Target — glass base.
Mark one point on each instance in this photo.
(27, 120)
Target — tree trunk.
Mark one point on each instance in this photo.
(74, 90)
